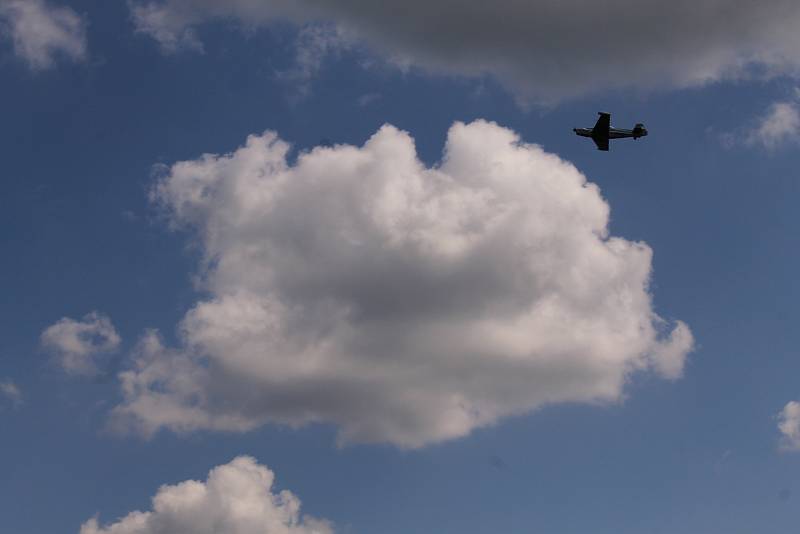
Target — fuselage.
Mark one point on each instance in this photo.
(613, 133)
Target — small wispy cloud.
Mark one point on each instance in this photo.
(11, 392)
(77, 344)
(41, 33)
(313, 45)
(789, 427)
(368, 99)
(171, 29)
(779, 125)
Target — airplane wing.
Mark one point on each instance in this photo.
(602, 143)
(603, 123)
(601, 130)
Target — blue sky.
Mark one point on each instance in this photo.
(93, 122)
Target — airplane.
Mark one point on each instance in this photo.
(603, 131)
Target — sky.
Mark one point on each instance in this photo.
(303, 267)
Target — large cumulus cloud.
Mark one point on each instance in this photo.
(403, 303)
(236, 498)
(543, 49)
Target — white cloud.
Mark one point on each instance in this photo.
(41, 32)
(543, 49)
(171, 28)
(780, 125)
(403, 304)
(789, 426)
(237, 498)
(368, 99)
(78, 344)
(10, 391)
(314, 44)
(670, 356)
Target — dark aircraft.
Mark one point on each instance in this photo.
(603, 131)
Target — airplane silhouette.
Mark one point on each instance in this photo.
(603, 131)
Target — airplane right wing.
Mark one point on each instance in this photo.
(602, 143)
